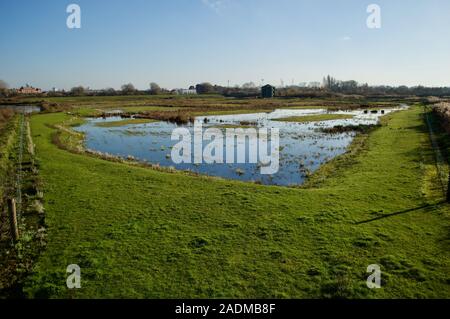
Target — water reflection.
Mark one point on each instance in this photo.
(27, 109)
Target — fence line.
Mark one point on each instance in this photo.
(13, 204)
(440, 160)
(19, 166)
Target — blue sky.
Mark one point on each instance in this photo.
(177, 43)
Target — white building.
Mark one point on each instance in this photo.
(185, 91)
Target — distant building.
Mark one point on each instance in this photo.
(29, 90)
(314, 85)
(185, 91)
(268, 91)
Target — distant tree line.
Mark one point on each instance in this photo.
(329, 87)
(352, 87)
(125, 89)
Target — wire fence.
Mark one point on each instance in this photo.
(7, 230)
(19, 166)
(441, 161)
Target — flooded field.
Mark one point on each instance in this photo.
(22, 108)
(303, 147)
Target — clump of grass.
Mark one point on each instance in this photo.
(399, 265)
(366, 242)
(362, 128)
(5, 115)
(316, 118)
(50, 107)
(37, 207)
(198, 242)
(339, 288)
(248, 123)
(178, 117)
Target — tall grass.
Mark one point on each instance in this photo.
(442, 110)
(5, 115)
(8, 132)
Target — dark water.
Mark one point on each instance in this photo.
(303, 148)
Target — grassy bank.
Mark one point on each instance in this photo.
(138, 232)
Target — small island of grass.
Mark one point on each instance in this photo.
(124, 122)
(316, 118)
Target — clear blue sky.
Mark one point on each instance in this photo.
(177, 43)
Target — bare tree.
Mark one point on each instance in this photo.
(155, 89)
(77, 90)
(128, 89)
(249, 85)
(204, 88)
(109, 91)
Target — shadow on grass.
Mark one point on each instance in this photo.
(425, 208)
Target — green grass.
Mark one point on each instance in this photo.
(86, 112)
(140, 103)
(139, 109)
(230, 112)
(124, 122)
(137, 232)
(316, 118)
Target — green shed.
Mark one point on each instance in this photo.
(268, 91)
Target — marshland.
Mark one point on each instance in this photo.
(304, 146)
(140, 226)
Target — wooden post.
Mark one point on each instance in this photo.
(13, 219)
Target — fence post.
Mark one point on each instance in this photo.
(13, 219)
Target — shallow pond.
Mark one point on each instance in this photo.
(22, 108)
(303, 148)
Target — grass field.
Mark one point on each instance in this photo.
(141, 103)
(138, 232)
